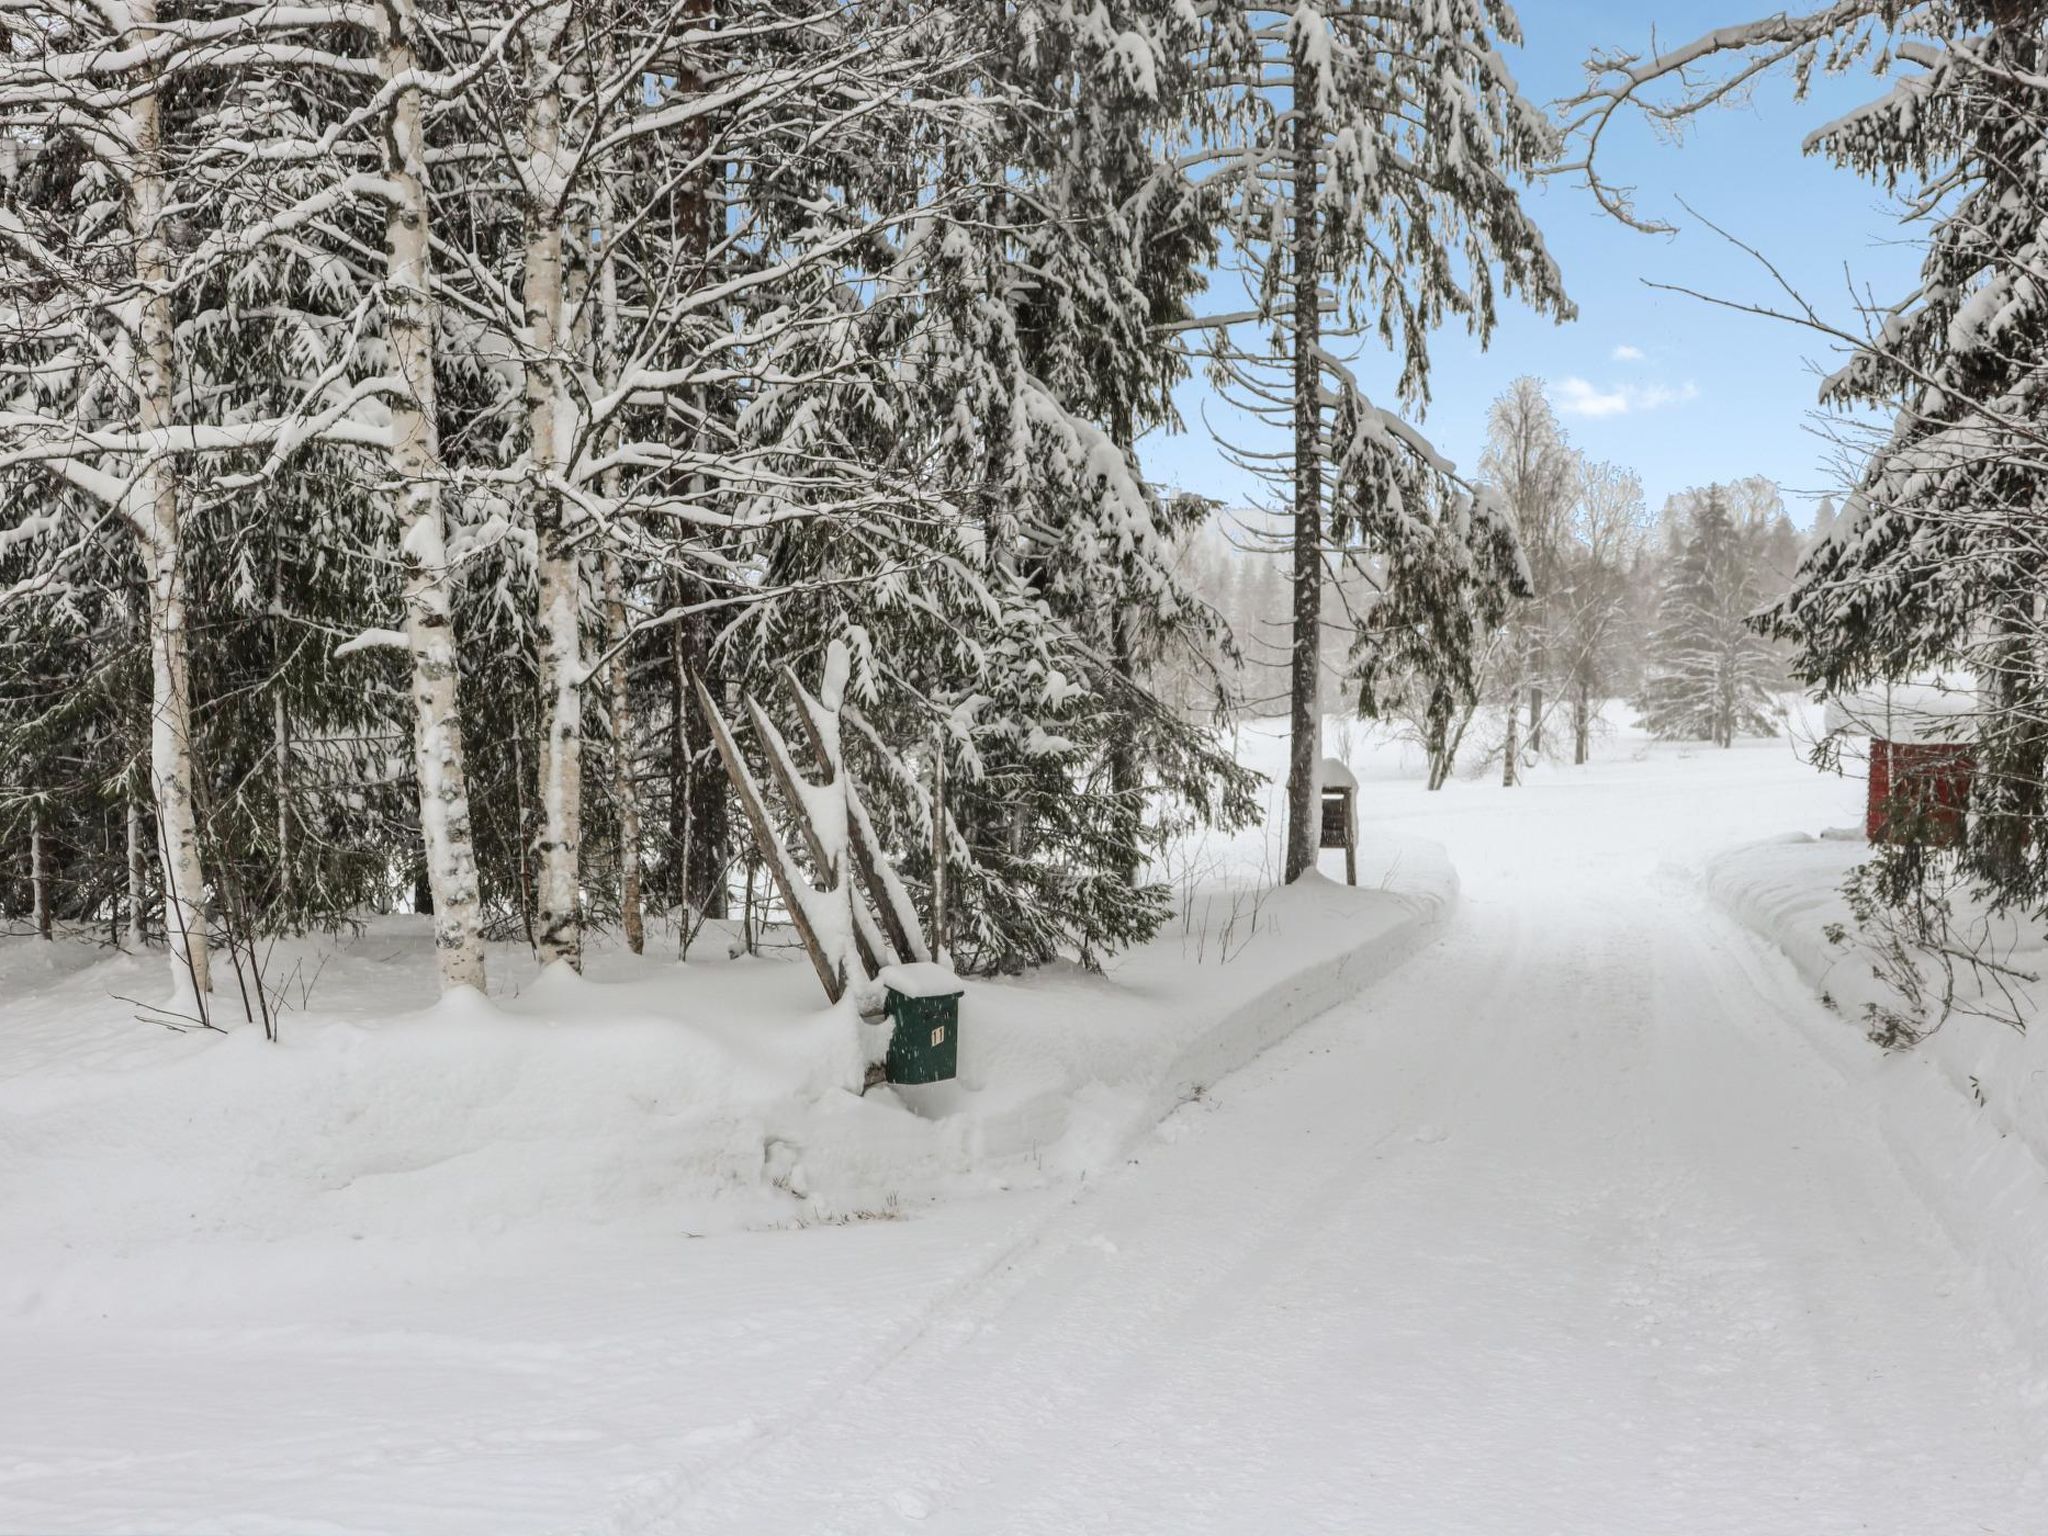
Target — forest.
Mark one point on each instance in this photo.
(406, 410)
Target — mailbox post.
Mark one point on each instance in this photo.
(1340, 815)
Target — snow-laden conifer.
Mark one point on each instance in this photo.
(1710, 673)
(1370, 158)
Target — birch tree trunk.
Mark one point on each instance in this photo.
(152, 508)
(549, 417)
(38, 873)
(1305, 668)
(423, 553)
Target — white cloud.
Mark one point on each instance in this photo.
(1628, 354)
(1576, 397)
(1579, 397)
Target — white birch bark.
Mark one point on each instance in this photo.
(152, 508)
(550, 419)
(38, 873)
(423, 549)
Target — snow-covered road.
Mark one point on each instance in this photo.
(1579, 1224)
(1566, 1229)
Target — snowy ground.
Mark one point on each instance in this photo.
(1576, 1223)
(1965, 1112)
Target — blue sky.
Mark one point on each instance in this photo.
(1682, 391)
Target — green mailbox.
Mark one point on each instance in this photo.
(924, 1009)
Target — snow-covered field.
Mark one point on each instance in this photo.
(1583, 1220)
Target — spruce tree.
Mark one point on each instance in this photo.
(1710, 672)
(1370, 159)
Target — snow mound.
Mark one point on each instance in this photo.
(657, 1098)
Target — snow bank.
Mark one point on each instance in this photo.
(1060, 1072)
(1964, 1113)
(654, 1097)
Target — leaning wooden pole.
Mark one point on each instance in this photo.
(830, 975)
(785, 777)
(891, 905)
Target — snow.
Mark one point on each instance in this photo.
(1576, 1212)
(1933, 711)
(924, 978)
(1964, 1114)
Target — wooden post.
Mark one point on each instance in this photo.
(1351, 838)
(829, 974)
(765, 728)
(900, 927)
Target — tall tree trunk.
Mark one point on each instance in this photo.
(549, 418)
(137, 876)
(679, 704)
(624, 791)
(1536, 718)
(1125, 782)
(1582, 725)
(38, 873)
(446, 840)
(153, 508)
(706, 817)
(707, 806)
(1436, 741)
(281, 743)
(1305, 666)
(1511, 749)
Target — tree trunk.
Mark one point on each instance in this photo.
(1536, 718)
(707, 810)
(153, 509)
(281, 741)
(624, 791)
(1305, 667)
(1125, 783)
(1582, 727)
(38, 873)
(137, 876)
(1511, 749)
(447, 845)
(703, 827)
(549, 412)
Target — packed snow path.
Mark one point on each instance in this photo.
(1567, 1228)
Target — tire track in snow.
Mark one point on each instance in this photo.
(1558, 1229)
